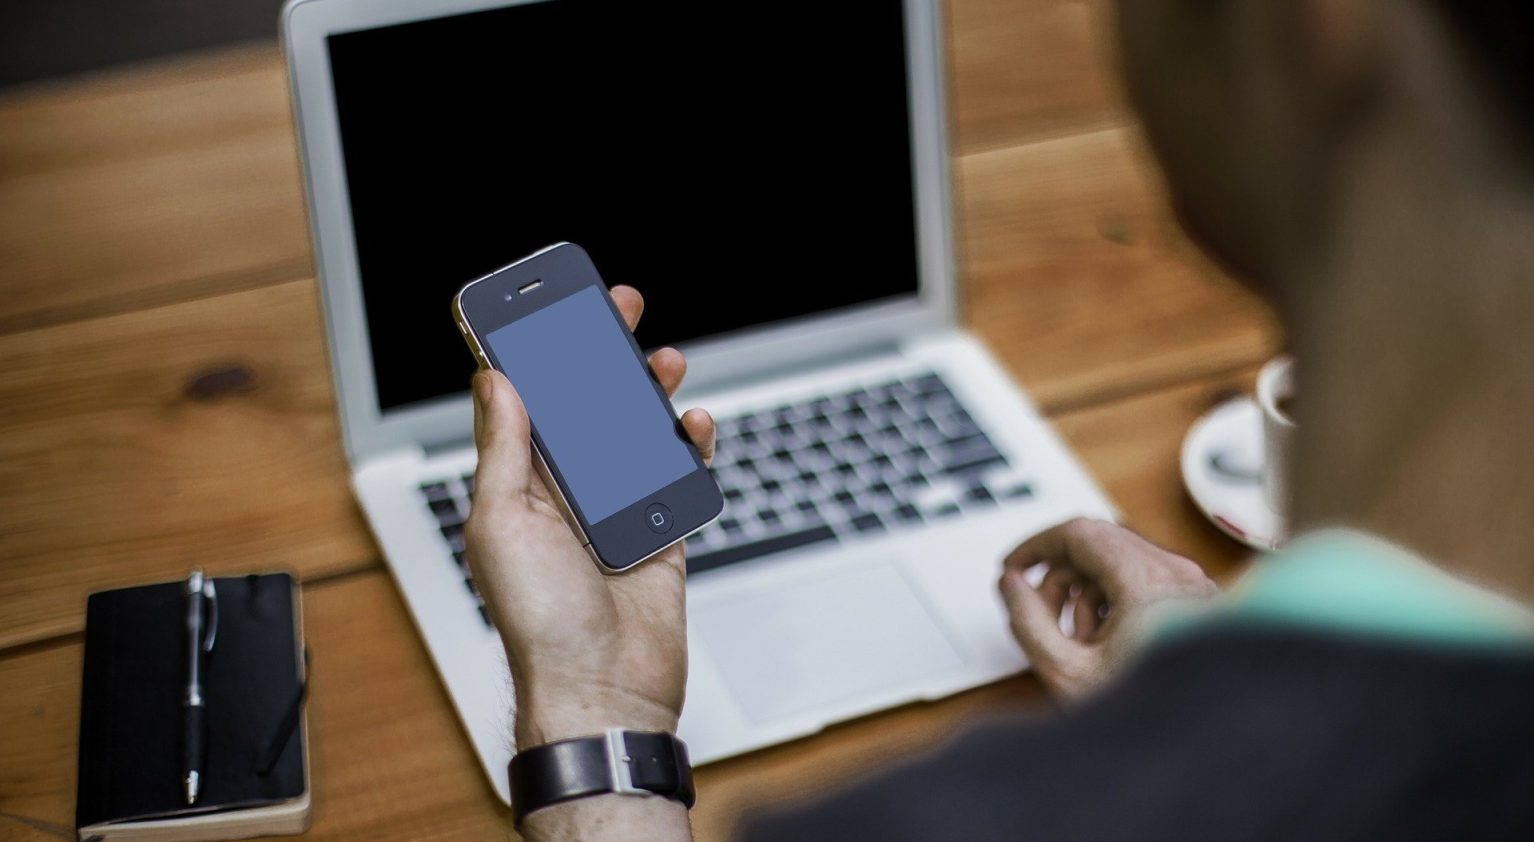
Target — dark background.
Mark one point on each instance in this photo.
(738, 163)
(45, 38)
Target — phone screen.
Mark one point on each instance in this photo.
(592, 402)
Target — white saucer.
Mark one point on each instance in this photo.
(1222, 465)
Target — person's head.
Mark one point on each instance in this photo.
(1260, 110)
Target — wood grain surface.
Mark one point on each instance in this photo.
(138, 445)
(147, 187)
(1024, 70)
(1077, 276)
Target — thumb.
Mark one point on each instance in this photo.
(502, 433)
(1036, 625)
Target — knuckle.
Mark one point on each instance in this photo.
(1086, 530)
(1077, 526)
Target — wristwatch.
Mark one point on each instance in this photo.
(615, 761)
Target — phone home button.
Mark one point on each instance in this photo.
(658, 518)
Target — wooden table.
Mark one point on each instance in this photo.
(165, 402)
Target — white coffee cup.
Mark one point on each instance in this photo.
(1275, 383)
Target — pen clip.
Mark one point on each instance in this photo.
(211, 596)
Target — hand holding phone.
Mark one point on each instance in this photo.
(588, 651)
(605, 437)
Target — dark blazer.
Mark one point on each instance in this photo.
(1230, 734)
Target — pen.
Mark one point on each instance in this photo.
(199, 593)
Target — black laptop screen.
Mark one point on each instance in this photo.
(739, 163)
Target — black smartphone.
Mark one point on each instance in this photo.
(606, 438)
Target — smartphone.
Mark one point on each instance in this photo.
(606, 438)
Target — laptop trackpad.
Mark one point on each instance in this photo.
(858, 631)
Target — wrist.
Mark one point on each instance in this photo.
(547, 715)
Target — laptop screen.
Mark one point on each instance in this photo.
(739, 164)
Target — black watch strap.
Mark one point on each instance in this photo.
(618, 761)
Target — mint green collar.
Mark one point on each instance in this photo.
(1346, 580)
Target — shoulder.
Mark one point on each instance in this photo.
(1213, 735)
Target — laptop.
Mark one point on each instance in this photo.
(775, 182)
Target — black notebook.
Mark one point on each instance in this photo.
(255, 777)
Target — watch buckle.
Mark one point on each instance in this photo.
(618, 761)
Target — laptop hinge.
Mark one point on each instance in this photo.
(704, 384)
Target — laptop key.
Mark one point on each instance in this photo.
(928, 384)
(959, 425)
(979, 494)
(819, 533)
(974, 438)
(446, 511)
(978, 455)
(867, 522)
(1017, 492)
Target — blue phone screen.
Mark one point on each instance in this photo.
(592, 402)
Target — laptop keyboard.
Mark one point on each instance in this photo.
(448, 499)
(877, 458)
(883, 457)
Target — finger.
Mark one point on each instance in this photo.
(670, 367)
(1035, 623)
(1096, 548)
(501, 431)
(700, 428)
(630, 304)
(1056, 587)
(1088, 614)
(1051, 545)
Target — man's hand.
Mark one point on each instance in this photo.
(1108, 575)
(587, 651)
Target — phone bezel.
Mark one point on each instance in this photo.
(622, 539)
